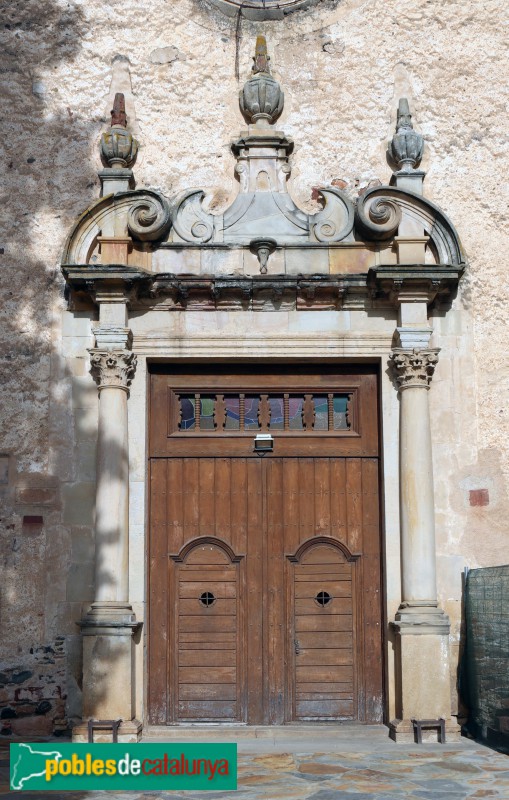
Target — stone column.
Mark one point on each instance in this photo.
(109, 625)
(422, 627)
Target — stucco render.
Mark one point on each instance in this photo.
(343, 66)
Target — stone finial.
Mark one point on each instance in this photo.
(118, 147)
(261, 99)
(407, 146)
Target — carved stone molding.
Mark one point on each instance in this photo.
(112, 369)
(414, 368)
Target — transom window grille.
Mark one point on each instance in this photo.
(241, 412)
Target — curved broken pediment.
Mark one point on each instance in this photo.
(389, 237)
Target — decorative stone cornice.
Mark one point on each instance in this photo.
(414, 368)
(112, 369)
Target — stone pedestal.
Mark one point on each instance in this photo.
(422, 627)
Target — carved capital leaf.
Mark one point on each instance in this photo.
(414, 368)
(113, 368)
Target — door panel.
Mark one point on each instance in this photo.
(279, 547)
(318, 656)
(208, 602)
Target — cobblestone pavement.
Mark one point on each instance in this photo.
(390, 772)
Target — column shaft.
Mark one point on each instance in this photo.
(417, 499)
(112, 498)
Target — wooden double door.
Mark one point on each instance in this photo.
(264, 596)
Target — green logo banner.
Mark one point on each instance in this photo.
(138, 767)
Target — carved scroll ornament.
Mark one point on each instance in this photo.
(335, 221)
(378, 215)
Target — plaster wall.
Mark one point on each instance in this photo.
(176, 61)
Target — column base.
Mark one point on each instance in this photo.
(423, 672)
(128, 732)
(402, 732)
(108, 661)
(421, 618)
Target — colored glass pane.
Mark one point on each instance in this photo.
(295, 405)
(339, 406)
(251, 413)
(321, 413)
(207, 413)
(188, 419)
(277, 419)
(232, 422)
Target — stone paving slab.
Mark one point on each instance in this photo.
(463, 771)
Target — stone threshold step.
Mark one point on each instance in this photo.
(232, 733)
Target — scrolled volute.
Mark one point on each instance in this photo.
(335, 221)
(378, 216)
(190, 221)
(149, 217)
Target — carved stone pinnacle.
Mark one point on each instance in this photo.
(118, 147)
(118, 115)
(407, 146)
(414, 368)
(112, 369)
(261, 99)
(261, 57)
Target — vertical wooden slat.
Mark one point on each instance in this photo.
(158, 582)
(206, 502)
(308, 412)
(254, 594)
(264, 412)
(274, 639)
(322, 496)
(286, 411)
(338, 499)
(372, 600)
(219, 412)
(306, 498)
(354, 503)
(222, 497)
(191, 497)
(290, 510)
(175, 505)
(238, 502)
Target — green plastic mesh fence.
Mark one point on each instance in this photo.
(486, 665)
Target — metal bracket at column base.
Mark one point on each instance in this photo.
(402, 731)
(421, 620)
(128, 731)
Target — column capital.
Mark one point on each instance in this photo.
(112, 369)
(413, 368)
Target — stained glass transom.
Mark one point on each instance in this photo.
(254, 412)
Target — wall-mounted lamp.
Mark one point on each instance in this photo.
(263, 443)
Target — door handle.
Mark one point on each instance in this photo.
(297, 647)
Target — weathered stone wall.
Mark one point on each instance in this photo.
(343, 66)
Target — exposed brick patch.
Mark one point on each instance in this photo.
(479, 497)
